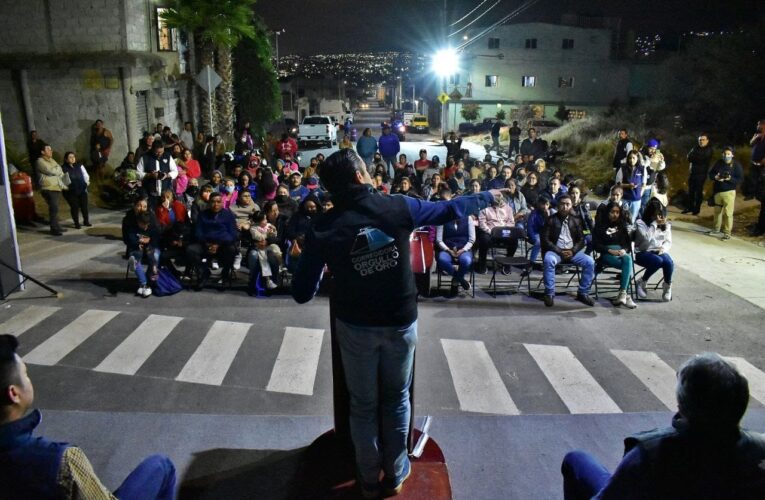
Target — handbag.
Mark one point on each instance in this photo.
(166, 283)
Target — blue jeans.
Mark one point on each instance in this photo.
(445, 263)
(581, 259)
(647, 190)
(154, 478)
(152, 260)
(583, 476)
(536, 248)
(390, 161)
(652, 262)
(634, 209)
(378, 364)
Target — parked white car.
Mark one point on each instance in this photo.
(317, 129)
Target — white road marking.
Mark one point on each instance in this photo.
(133, 352)
(212, 359)
(29, 317)
(477, 382)
(579, 391)
(297, 362)
(68, 338)
(655, 374)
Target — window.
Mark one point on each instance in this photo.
(454, 79)
(576, 114)
(568, 44)
(565, 81)
(492, 80)
(166, 36)
(531, 43)
(529, 81)
(493, 43)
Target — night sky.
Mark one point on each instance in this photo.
(331, 26)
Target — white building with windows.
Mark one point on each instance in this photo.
(540, 65)
(64, 64)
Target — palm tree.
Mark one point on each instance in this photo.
(217, 27)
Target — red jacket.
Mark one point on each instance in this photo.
(163, 214)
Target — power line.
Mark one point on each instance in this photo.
(511, 15)
(466, 15)
(476, 19)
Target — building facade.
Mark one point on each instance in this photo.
(540, 65)
(66, 63)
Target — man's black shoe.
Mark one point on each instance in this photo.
(480, 268)
(549, 300)
(756, 232)
(465, 284)
(686, 211)
(748, 197)
(585, 299)
(56, 232)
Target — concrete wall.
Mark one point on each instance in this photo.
(67, 101)
(68, 92)
(137, 21)
(11, 108)
(598, 79)
(23, 26)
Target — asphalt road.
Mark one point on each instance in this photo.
(512, 384)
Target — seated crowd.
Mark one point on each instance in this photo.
(256, 208)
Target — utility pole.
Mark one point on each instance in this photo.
(276, 36)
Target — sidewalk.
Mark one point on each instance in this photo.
(735, 265)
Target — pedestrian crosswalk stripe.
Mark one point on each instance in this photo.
(133, 352)
(29, 317)
(212, 359)
(297, 362)
(754, 376)
(578, 390)
(477, 382)
(655, 374)
(68, 338)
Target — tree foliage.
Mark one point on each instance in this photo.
(221, 24)
(255, 83)
(501, 114)
(470, 112)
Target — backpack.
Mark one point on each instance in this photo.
(166, 284)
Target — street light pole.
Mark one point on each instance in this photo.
(276, 36)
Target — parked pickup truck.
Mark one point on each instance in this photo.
(317, 129)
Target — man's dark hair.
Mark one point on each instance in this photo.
(532, 128)
(157, 145)
(338, 171)
(139, 200)
(624, 130)
(215, 194)
(565, 197)
(9, 367)
(711, 393)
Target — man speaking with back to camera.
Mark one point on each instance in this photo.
(364, 240)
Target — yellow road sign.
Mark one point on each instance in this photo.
(443, 97)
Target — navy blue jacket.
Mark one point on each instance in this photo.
(364, 239)
(216, 228)
(680, 463)
(29, 464)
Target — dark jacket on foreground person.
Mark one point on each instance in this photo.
(364, 240)
(551, 233)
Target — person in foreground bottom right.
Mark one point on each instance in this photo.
(704, 454)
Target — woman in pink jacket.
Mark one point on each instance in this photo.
(497, 215)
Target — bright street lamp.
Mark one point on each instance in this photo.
(445, 62)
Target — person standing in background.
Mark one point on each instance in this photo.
(699, 158)
(727, 173)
